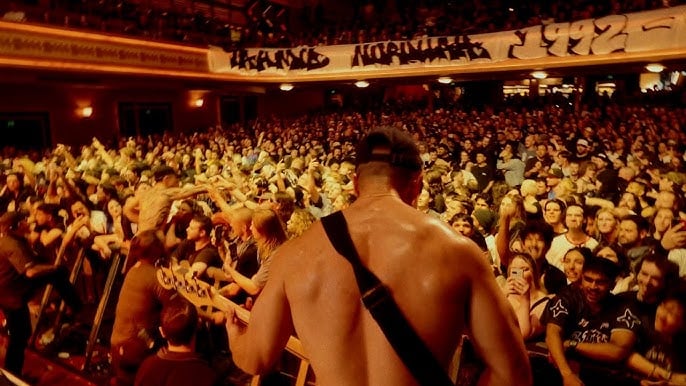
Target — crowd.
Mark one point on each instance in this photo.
(578, 209)
(268, 24)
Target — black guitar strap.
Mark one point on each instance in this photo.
(379, 301)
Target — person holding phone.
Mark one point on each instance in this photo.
(525, 295)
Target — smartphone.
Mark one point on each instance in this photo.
(517, 273)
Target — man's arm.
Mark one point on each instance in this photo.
(184, 193)
(256, 348)
(131, 208)
(494, 331)
(246, 283)
(47, 238)
(640, 365)
(553, 339)
(616, 350)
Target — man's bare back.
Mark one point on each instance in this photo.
(439, 280)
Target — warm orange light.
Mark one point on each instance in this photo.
(86, 112)
(198, 102)
(98, 37)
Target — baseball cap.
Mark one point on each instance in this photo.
(390, 145)
(602, 156)
(557, 173)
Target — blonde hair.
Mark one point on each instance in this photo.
(528, 188)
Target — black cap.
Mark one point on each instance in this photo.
(390, 145)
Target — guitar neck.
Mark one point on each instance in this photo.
(223, 304)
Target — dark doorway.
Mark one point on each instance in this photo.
(25, 131)
(230, 110)
(143, 119)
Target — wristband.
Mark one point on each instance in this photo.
(572, 346)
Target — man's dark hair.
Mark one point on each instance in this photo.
(602, 266)
(205, 223)
(146, 246)
(392, 146)
(162, 171)
(179, 320)
(50, 209)
(641, 223)
(538, 228)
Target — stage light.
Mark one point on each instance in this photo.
(655, 67)
(198, 102)
(362, 84)
(286, 86)
(539, 74)
(445, 80)
(86, 112)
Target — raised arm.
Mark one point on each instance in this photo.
(494, 331)
(184, 193)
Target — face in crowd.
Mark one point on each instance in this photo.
(573, 263)
(552, 213)
(606, 222)
(651, 281)
(595, 286)
(574, 218)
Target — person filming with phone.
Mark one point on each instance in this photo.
(523, 291)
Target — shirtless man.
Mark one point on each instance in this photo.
(440, 281)
(158, 200)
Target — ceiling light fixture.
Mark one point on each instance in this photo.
(539, 74)
(655, 67)
(86, 112)
(286, 86)
(445, 80)
(362, 84)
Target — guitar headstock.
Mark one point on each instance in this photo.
(195, 291)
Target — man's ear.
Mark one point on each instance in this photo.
(414, 189)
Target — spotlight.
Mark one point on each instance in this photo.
(199, 102)
(86, 112)
(539, 74)
(655, 67)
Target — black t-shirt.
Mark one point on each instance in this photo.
(609, 188)
(246, 258)
(15, 288)
(669, 354)
(484, 175)
(570, 311)
(208, 254)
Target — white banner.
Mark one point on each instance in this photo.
(651, 31)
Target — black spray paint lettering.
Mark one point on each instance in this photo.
(288, 59)
(419, 51)
(585, 37)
